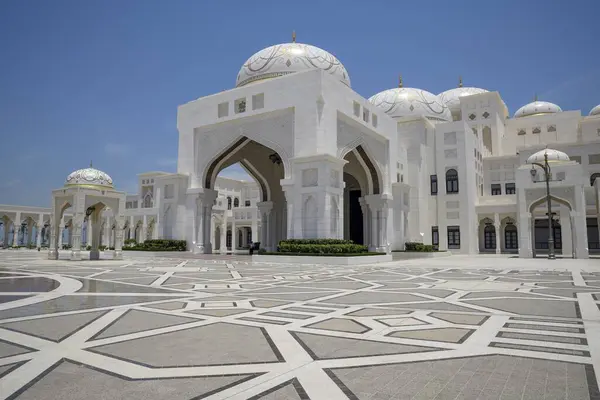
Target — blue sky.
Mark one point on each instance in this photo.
(102, 80)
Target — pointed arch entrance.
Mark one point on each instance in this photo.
(562, 227)
(267, 167)
(365, 208)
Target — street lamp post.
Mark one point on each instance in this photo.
(546, 167)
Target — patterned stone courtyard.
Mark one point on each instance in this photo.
(177, 327)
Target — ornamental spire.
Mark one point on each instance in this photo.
(293, 36)
(90, 163)
(460, 83)
(400, 84)
(535, 98)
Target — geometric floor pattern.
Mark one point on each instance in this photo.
(158, 327)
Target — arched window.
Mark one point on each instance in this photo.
(489, 237)
(451, 181)
(236, 202)
(228, 238)
(593, 178)
(229, 203)
(147, 201)
(511, 239)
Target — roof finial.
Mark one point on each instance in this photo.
(460, 84)
(293, 36)
(90, 163)
(400, 84)
(535, 98)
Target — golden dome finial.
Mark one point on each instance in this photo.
(293, 36)
(460, 83)
(90, 163)
(535, 98)
(400, 84)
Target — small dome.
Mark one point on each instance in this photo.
(451, 98)
(404, 102)
(553, 156)
(595, 111)
(89, 177)
(283, 59)
(537, 108)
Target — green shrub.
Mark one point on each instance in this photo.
(420, 247)
(159, 245)
(316, 241)
(102, 247)
(321, 246)
(262, 251)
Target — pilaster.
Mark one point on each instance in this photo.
(204, 201)
(264, 210)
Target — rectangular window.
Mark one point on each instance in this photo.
(169, 191)
(258, 101)
(356, 109)
(240, 106)
(575, 158)
(365, 115)
(434, 186)
(247, 203)
(496, 189)
(454, 237)
(223, 110)
(594, 158)
(374, 120)
(510, 188)
(435, 236)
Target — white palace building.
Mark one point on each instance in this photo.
(454, 170)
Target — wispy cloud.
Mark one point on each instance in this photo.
(569, 86)
(116, 149)
(10, 184)
(166, 162)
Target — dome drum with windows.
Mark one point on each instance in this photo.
(89, 177)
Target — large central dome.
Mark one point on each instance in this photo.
(283, 59)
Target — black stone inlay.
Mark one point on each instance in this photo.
(294, 382)
(245, 378)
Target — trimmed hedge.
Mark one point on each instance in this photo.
(420, 247)
(316, 241)
(159, 245)
(320, 246)
(270, 253)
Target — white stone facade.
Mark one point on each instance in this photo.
(405, 165)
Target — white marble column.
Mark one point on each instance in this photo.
(213, 231)
(265, 208)
(255, 227)
(17, 229)
(89, 235)
(223, 244)
(566, 232)
(6, 226)
(525, 236)
(143, 233)
(38, 233)
(118, 251)
(77, 229)
(53, 246)
(366, 222)
(61, 227)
